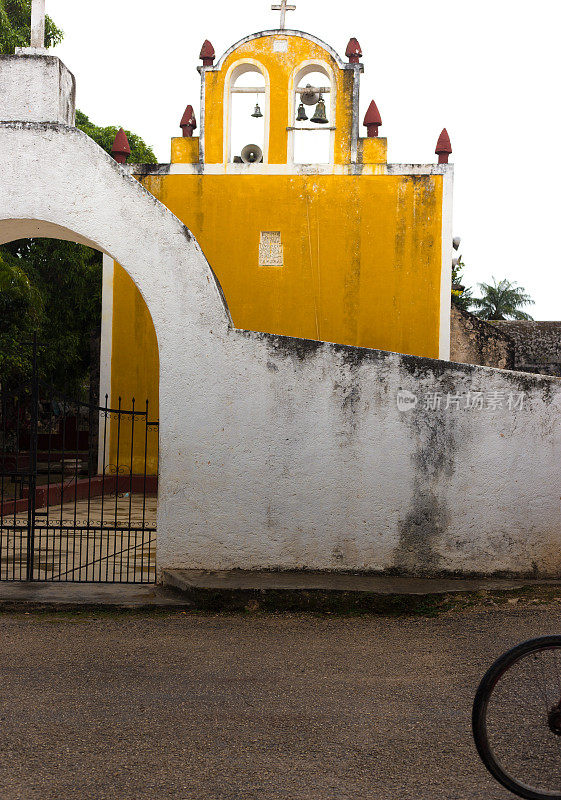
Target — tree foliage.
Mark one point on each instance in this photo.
(63, 308)
(141, 153)
(461, 294)
(15, 26)
(21, 309)
(502, 300)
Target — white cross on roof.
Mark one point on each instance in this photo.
(283, 8)
(38, 24)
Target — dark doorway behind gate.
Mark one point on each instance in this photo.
(62, 519)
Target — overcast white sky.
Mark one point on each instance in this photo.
(487, 70)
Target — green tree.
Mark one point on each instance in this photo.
(65, 281)
(461, 294)
(21, 310)
(15, 26)
(141, 153)
(502, 300)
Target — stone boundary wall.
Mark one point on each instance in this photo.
(341, 458)
(537, 344)
(475, 341)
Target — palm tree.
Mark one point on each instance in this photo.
(501, 300)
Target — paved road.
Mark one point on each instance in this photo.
(203, 707)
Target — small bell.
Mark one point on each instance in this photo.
(301, 113)
(319, 114)
(310, 97)
(257, 112)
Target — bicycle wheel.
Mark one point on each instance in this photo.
(516, 719)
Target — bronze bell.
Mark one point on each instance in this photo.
(319, 114)
(301, 113)
(257, 113)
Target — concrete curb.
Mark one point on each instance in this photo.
(237, 590)
(258, 580)
(241, 591)
(25, 596)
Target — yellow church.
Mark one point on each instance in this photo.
(309, 230)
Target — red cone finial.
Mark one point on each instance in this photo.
(207, 54)
(121, 148)
(188, 122)
(372, 120)
(353, 51)
(443, 147)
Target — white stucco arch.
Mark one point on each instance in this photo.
(56, 182)
(62, 185)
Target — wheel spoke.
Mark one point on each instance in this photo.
(517, 719)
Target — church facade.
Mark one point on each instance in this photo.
(310, 232)
(278, 453)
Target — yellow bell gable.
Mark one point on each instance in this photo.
(350, 250)
(283, 58)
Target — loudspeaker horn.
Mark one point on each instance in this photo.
(252, 154)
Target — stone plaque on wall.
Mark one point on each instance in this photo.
(270, 249)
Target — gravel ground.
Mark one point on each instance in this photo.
(218, 707)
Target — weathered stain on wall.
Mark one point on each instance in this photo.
(341, 280)
(475, 341)
(361, 262)
(427, 518)
(360, 481)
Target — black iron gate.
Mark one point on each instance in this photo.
(78, 488)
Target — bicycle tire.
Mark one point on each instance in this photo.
(479, 716)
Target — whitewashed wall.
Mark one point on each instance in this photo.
(325, 471)
(283, 453)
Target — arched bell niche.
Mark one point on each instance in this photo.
(313, 115)
(246, 110)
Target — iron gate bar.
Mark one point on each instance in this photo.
(72, 543)
(32, 464)
(99, 560)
